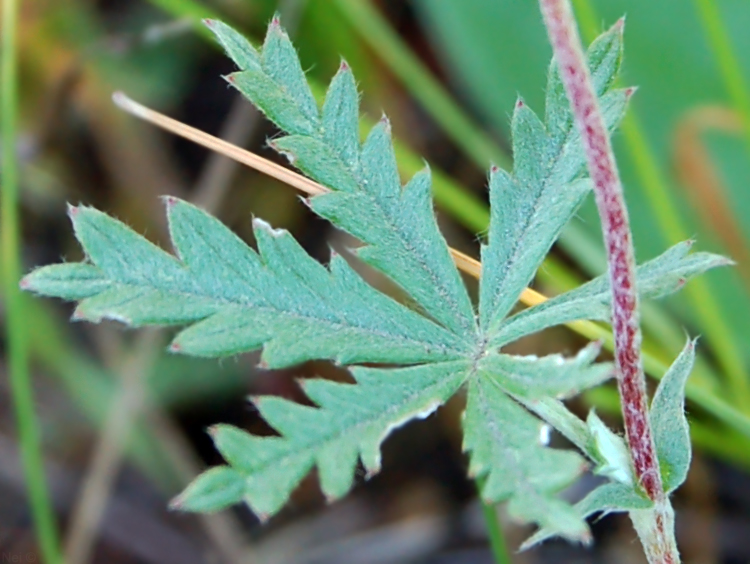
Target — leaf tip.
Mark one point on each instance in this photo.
(24, 283)
(619, 25)
(209, 23)
(386, 123)
(586, 538)
(177, 503)
(330, 499)
(73, 211)
(630, 91)
(344, 66)
(275, 24)
(78, 314)
(520, 103)
(175, 347)
(170, 202)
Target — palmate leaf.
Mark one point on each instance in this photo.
(658, 277)
(367, 200)
(510, 456)
(280, 299)
(350, 424)
(530, 207)
(234, 299)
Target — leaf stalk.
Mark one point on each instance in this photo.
(657, 536)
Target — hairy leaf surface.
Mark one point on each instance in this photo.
(658, 277)
(280, 298)
(671, 429)
(349, 425)
(529, 472)
(367, 200)
(233, 299)
(529, 376)
(530, 207)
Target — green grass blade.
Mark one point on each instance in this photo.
(734, 81)
(190, 10)
(16, 320)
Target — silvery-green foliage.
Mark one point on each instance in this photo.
(234, 299)
(667, 414)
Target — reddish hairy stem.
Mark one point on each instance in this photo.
(657, 533)
(655, 527)
(620, 255)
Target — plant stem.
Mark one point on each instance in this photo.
(495, 534)
(657, 533)
(18, 367)
(655, 189)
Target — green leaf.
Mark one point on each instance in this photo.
(530, 207)
(349, 425)
(609, 451)
(670, 426)
(658, 277)
(281, 298)
(397, 224)
(271, 98)
(215, 489)
(609, 498)
(238, 48)
(508, 452)
(341, 117)
(281, 64)
(70, 281)
(532, 377)
(235, 299)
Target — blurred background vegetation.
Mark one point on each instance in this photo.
(122, 422)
